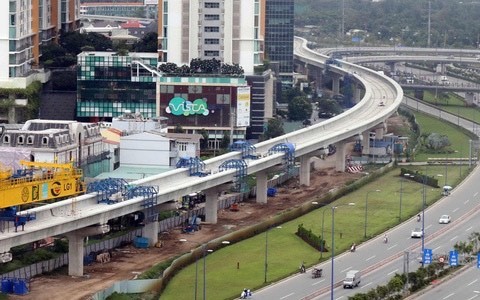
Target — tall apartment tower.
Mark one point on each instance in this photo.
(26, 25)
(232, 31)
(279, 38)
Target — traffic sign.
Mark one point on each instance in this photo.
(427, 256)
(478, 260)
(453, 258)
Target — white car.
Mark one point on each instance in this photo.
(445, 219)
(417, 233)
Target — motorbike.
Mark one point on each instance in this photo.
(302, 269)
(245, 294)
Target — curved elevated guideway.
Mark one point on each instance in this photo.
(71, 215)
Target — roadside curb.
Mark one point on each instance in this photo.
(439, 281)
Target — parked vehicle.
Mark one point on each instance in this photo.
(352, 279)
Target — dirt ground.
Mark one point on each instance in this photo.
(128, 262)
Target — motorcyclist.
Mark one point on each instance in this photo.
(419, 218)
(302, 267)
(385, 238)
(353, 247)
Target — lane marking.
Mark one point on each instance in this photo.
(371, 257)
(427, 227)
(346, 269)
(339, 298)
(365, 285)
(286, 296)
(455, 209)
(476, 292)
(389, 248)
(448, 296)
(466, 201)
(437, 248)
(475, 195)
(472, 297)
(393, 272)
(472, 282)
(469, 228)
(454, 238)
(320, 281)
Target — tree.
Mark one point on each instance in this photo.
(204, 140)
(178, 129)
(299, 109)
(225, 142)
(437, 141)
(148, 43)
(274, 129)
(328, 108)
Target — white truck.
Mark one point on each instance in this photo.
(352, 279)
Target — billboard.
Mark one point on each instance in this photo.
(243, 106)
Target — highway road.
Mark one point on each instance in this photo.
(379, 261)
(465, 285)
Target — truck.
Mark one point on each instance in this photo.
(352, 279)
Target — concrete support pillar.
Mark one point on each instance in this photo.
(392, 67)
(336, 84)
(150, 231)
(211, 205)
(366, 142)
(75, 247)
(262, 186)
(379, 132)
(340, 156)
(305, 170)
(75, 254)
(357, 93)
(469, 97)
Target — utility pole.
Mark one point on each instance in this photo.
(428, 33)
(342, 26)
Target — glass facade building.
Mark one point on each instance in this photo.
(279, 37)
(106, 87)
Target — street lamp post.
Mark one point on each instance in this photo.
(424, 196)
(204, 251)
(366, 210)
(401, 194)
(266, 254)
(332, 280)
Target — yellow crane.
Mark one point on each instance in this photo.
(39, 181)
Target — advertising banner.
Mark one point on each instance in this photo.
(243, 106)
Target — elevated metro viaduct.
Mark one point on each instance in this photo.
(83, 215)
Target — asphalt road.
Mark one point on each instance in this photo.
(465, 285)
(378, 261)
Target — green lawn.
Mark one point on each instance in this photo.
(459, 140)
(241, 265)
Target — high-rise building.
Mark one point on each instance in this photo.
(26, 26)
(279, 38)
(232, 31)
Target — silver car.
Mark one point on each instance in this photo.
(445, 219)
(417, 233)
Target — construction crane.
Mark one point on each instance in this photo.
(39, 181)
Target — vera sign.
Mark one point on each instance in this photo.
(179, 106)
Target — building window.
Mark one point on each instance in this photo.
(20, 139)
(211, 53)
(212, 17)
(30, 140)
(44, 140)
(212, 5)
(212, 41)
(6, 139)
(182, 146)
(212, 29)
